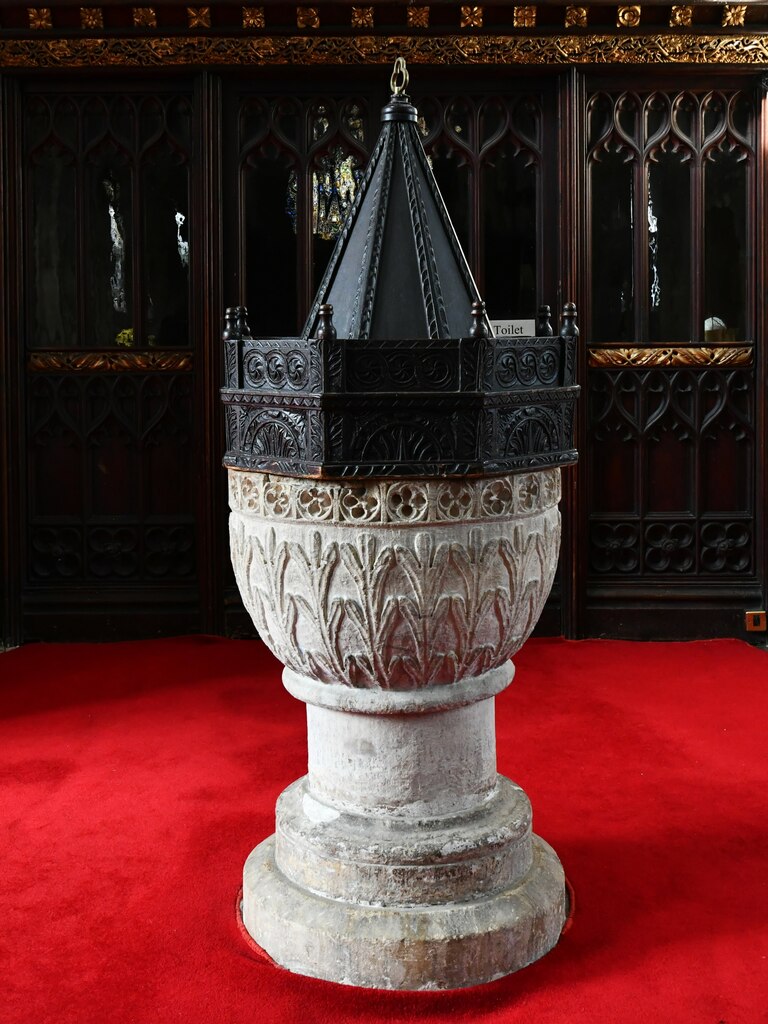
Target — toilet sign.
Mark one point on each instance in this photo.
(514, 328)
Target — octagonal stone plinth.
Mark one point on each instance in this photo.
(402, 859)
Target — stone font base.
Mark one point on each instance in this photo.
(420, 947)
(425, 947)
(403, 860)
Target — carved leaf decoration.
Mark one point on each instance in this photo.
(382, 568)
(410, 668)
(300, 602)
(460, 560)
(359, 669)
(279, 560)
(440, 611)
(352, 561)
(485, 659)
(446, 667)
(371, 613)
(502, 608)
(335, 620)
(410, 613)
(326, 561)
(321, 668)
(290, 630)
(407, 560)
(458, 616)
(386, 627)
(485, 606)
(246, 559)
(356, 617)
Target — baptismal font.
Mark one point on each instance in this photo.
(394, 479)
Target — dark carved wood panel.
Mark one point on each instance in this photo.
(672, 522)
(671, 177)
(107, 209)
(109, 494)
(672, 457)
(666, 515)
(110, 485)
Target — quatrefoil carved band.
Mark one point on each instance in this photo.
(393, 501)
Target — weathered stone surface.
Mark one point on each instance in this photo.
(435, 947)
(426, 765)
(385, 862)
(402, 859)
(397, 584)
(375, 701)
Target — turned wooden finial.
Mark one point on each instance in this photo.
(236, 323)
(230, 322)
(325, 329)
(242, 322)
(544, 322)
(568, 328)
(478, 328)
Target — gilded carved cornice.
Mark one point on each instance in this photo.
(593, 48)
(109, 362)
(672, 356)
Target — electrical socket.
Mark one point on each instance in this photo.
(754, 622)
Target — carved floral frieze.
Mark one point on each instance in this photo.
(524, 16)
(653, 548)
(145, 17)
(589, 48)
(438, 581)
(690, 355)
(734, 15)
(471, 16)
(40, 17)
(393, 501)
(362, 17)
(109, 362)
(628, 16)
(199, 17)
(307, 17)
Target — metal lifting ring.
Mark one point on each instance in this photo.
(399, 80)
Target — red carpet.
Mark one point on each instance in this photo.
(136, 777)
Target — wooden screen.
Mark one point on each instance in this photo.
(671, 389)
(293, 166)
(136, 207)
(109, 487)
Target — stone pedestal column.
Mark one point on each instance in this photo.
(402, 859)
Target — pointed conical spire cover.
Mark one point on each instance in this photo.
(398, 270)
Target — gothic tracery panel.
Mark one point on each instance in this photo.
(671, 176)
(110, 475)
(107, 195)
(299, 159)
(672, 473)
(110, 478)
